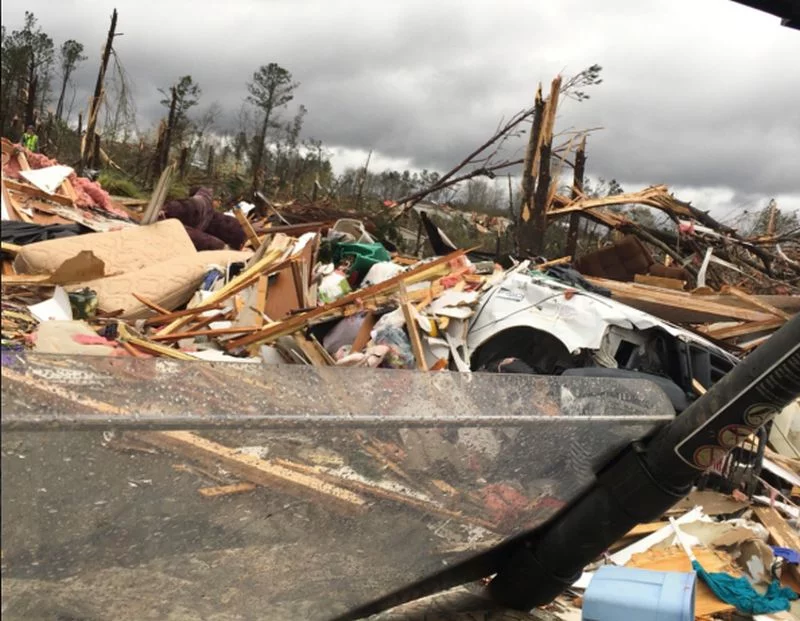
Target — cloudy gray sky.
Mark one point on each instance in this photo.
(701, 95)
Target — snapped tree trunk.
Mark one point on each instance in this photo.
(94, 106)
(577, 189)
(60, 104)
(259, 154)
(524, 221)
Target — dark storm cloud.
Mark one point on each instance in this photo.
(696, 95)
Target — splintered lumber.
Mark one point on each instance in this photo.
(546, 264)
(31, 190)
(247, 227)
(780, 533)
(293, 324)
(242, 281)
(149, 346)
(413, 329)
(363, 335)
(376, 491)
(177, 336)
(226, 490)
(310, 351)
(27, 279)
(657, 196)
(158, 196)
(744, 329)
(678, 306)
(250, 468)
(189, 312)
(151, 305)
(754, 301)
(645, 529)
(262, 286)
(659, 281)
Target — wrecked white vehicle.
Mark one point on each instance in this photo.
(533, 323)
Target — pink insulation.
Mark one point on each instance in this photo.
(89, 193)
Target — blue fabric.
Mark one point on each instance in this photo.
(791, 556)
(740, 593)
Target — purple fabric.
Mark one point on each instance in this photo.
(207, 228)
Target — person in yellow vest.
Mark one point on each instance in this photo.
(30, 140)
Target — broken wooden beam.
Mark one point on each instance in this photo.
(226, 490)
(293, 324)
(258, 471)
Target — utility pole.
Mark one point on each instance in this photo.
(87, 146)
(577, 190)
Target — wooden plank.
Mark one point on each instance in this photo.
(659, 281)
(376, 491)
(780, 533)
(302, 319)
(751, 345)
(188, 312)
(744, 329)
(661, 302)
(262, 287)
(247, 227)
(151, 305)
(226, 490)
(27, 279)
(158, 196)
(546, 264)
(242, 281)
(311, 352)
(30, 190)
(177, 336)
(250, 468)
(412, 329)
(754, 301)
(645, 529)
(363, 335)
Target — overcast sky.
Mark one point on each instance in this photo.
(703, 96)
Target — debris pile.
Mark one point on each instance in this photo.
(308, 284)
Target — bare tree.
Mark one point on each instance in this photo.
(71, 55)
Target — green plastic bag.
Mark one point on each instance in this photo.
(362, 256)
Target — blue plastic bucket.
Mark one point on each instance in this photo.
(628, 593)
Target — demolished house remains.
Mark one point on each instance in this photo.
(313, 284)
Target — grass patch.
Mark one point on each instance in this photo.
(117, 185)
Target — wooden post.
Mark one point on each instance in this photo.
(94, 104)
(577, 189)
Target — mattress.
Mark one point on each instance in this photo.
(168, 283)
(122, 251)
